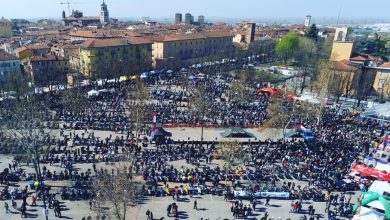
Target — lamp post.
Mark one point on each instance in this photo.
(39, 176)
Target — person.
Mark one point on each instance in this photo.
(267, 201)
(90, 204)
(148, 214)
(169, 210)
(58, 211)
(34, 200)
(6, 206)
(151, 215)
(196, 204)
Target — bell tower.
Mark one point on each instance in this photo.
(104, 15)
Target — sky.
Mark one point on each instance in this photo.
(240, 9)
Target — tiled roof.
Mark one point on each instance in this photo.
(343, 65)
(204, 35)
(38, 46)
(84, 18)
(385, 65)
(19, 49)
(68, 46)
(363, 57)
(48, 57)
(114, 42)
(4, 56)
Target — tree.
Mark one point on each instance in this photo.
(232, 154)
(138, 95)
(201, 103)
(335, 81)
(285, 114)
(312, 33)
(307, 58)
(287, 46)
(120, 191)
(375, 47)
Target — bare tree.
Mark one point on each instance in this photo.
(138, 95)
(232, 154)
(284, 114)
(201, 103)
(118, 190)
(334, 81)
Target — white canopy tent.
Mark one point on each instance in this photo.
(378, 111)
(366, 213)
(93, 93)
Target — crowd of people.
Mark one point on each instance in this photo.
(304, 169)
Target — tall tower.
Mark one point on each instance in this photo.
(250, 29)
(188, 18)
(307, 21)
(201, 19)
(63, 15)
(104, 16)
(178, 18)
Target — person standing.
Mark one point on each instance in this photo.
(196, 204)
(267, 201)
(34, 200)
(6, 206)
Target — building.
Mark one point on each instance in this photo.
(178, 18)
(46, 69)
(78, 19)
(5, 28)
(341, 34)
(9, 66)
(201, 20)
(341, 50)
(104, 15)
(83, 35)
(188, 19)
(308, 21)
(382, 81)
(175, 51)
(10, 47)
(108, 58)
(250, 29)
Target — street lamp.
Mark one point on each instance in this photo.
(39, 176)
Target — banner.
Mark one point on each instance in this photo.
(275, 195)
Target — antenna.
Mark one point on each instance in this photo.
(338, 16)
(67, 3)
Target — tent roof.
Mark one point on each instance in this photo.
(160, 132)
(236, 132)
(366, 213)
(380, 187)
(294, 134)
(379, 110)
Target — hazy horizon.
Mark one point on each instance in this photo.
(254, 10)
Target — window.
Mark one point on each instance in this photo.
(385, 74)
(381, 83)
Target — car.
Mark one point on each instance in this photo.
(308, 135)
(346, 185)
(269, 91)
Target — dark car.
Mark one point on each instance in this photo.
(346, 185)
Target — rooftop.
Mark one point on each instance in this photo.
(95, 43)
(204, 35)
(48, 57)
(343, 65)
(4, 56)
(85, 18)
(385, 65)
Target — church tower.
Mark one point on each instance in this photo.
(104, 17)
